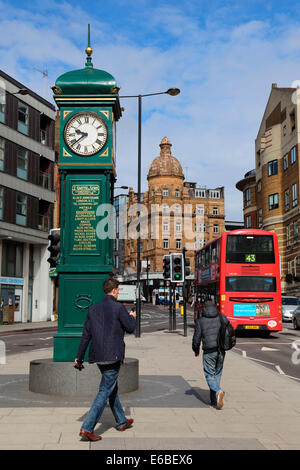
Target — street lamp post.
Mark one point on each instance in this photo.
(22, 91)
(171, 92)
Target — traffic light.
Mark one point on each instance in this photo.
(167, 268)
(177, 267)
(187, 269)
(54, 247)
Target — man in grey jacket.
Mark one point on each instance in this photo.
(206, 330)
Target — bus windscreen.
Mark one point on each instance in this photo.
(250, 284)
(252, 249)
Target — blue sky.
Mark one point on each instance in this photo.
(223, 55)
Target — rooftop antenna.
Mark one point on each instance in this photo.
(45, 75)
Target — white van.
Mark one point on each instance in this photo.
(289, 304)
(127, 293)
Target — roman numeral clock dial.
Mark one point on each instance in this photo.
(85, 133)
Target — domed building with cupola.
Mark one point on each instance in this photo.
(176, 214)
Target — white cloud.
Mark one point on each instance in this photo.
(224, 73)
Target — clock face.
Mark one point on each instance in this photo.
(85, 133)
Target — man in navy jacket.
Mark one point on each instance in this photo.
(104, 328)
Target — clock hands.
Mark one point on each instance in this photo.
(83, 134)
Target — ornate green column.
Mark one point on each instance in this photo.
(89, 108)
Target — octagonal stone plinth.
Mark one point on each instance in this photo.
(61, 378)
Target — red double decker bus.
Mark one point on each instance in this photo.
(240, 271)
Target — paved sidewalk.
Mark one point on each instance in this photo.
(170, 410)
(27, 326)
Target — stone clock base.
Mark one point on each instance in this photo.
(61, 378)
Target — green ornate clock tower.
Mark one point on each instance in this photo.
(89, 108)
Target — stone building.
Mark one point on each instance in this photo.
(175, 214)
(271, 191)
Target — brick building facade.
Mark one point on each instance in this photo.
(177, 214)
(274, 190)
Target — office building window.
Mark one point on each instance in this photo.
(248, 221)
(178, 226)
(43, 137)
(287, 199)
(1, 202)
(177, 193)
(22, 118)
(165, 192)
(247, 197)
(293, 155)
(165, 226)
(200, 192)
(199, 210)
(2, 152)
(165, 208)
(286, 161)
(215, 211)
(178, 244)
(296, 233)
(2, 104)
(12, 259)
(214, 194)
(216, 228)
(22, 163)
(273, 167)
(45, 123)
(166, 243)
(294, 195)
(21, 209)
(273, 201)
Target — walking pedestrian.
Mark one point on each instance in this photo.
(206, 330)
(105, 326)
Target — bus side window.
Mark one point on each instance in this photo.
(213, 254)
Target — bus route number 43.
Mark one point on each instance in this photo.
(250, 258)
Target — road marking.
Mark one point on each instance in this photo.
(279, 370)
(269, 349)
(244, 353)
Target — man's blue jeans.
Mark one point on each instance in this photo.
(108, 390)
(213, 368)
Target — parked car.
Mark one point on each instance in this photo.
(289, 304)
(296, 318)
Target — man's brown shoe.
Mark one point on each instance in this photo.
(127, 425)
(89, 436)
(220, 396)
